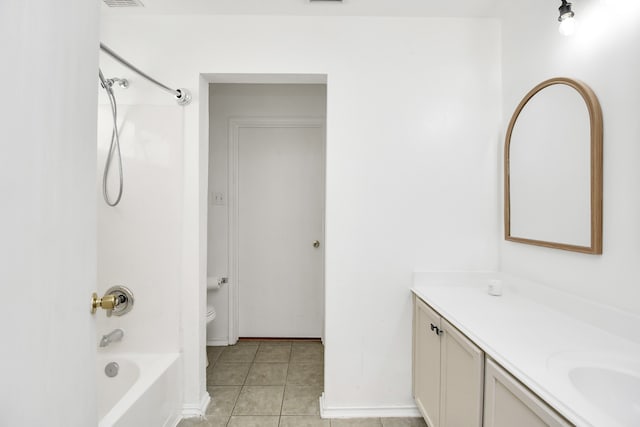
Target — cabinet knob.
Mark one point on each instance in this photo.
(437, 330)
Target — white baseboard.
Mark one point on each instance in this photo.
(218, 342)
(173, 421)
(408, 411)
(192, 410)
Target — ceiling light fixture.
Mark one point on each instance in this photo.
(566, 18)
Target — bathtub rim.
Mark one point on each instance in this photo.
(151, 365)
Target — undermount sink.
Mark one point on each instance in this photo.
(615, 392)
(607, 382)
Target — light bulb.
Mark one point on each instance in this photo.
(567, 26)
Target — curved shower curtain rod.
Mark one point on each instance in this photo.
(183, 97)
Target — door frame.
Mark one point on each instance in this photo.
(235, 124)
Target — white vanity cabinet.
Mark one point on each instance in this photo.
(448, 371)
(543, 366)
(508, 403)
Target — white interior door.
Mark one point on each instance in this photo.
(280, 205)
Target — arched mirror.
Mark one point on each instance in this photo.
(553, 168)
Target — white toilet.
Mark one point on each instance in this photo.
(213, 283)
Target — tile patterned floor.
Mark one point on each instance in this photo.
(272, 384)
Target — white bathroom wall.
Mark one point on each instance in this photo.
(47, 212)
(603, 54)
(139, 239)
(227, 101)
(413, 114)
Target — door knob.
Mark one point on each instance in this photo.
(316, 243)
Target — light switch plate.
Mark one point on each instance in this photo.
(218, 199)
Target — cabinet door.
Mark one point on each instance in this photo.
(426, 362)
(462, 375)
(508, 403)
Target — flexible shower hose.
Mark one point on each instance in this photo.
(114, 147)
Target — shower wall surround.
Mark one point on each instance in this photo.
(139, 240)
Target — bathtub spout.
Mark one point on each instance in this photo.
(113, 336)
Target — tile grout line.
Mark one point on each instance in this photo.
(284, 389)
(252, 363)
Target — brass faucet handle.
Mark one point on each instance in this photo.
(95, 303)
(107, 302)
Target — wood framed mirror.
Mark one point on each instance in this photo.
(553, 168)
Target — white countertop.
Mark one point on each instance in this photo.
(532, 339)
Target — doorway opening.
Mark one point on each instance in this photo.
(265, 214)
(265, 211)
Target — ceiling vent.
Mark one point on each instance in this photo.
(123, 3)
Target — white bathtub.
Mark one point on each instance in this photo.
(145, 393)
